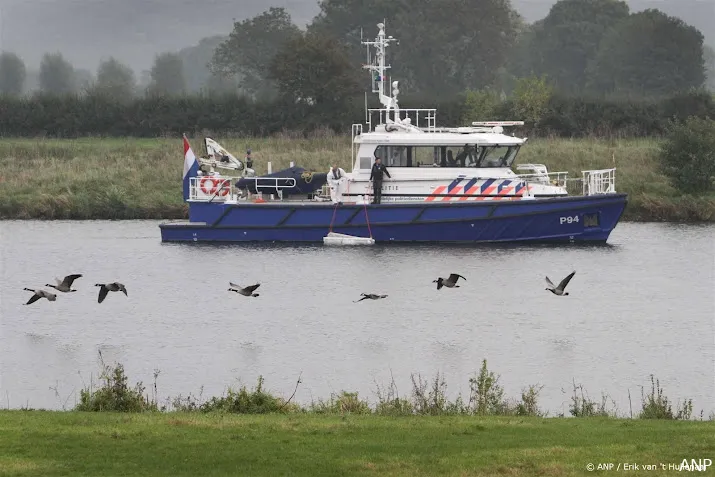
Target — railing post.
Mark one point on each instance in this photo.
(268, 165)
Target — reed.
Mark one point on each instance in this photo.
(98, 178)
(111, 391)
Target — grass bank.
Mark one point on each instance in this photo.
(176, 444)
(141, 178)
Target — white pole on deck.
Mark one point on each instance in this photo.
(269, 166)
(292, 164)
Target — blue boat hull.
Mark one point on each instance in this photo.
(562, 219)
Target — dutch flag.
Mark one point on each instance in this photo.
(191, 167)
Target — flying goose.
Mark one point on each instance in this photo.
(248, 291)
(66, 284)
(451, 282)
(107, 287)
(40, 294)
(559, 290)
(370, 296)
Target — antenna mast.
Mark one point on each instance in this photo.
(378, 70)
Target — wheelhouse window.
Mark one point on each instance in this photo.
(498, 156)
(469, 156)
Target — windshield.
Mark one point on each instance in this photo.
(467, 155)
(497, 156)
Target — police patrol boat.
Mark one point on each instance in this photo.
(446, 184)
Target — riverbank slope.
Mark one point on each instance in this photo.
(98, 178)
(174, 444)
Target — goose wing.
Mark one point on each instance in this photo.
(251, 288)
(548, 282)
(102, 294)
(233, 285)
(566, 280)
(33, 299)
(123, 289)
(453, 277)
(70, 278)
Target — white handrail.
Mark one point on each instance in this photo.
(275, 180)
(599, 181)
(384, 116)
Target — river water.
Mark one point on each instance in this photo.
(643, 304)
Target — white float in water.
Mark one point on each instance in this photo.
(341, 239)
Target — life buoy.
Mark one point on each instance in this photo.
(214, 184)
(307, 177)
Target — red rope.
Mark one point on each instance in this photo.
(335, 209)
(366, 219)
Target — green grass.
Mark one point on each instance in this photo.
(98, 178)
(74, 443)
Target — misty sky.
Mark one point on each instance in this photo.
(133, 31)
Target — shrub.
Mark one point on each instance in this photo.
(343, 403)
(688, 155)
(115, 395)
(479, 105)
(244, 401)
(531, 99)
(486, 395)
(657, 406)
(583, 406)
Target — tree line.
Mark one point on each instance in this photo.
(591, 55)
(547, 114)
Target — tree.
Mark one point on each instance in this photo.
(447, 46)
(314, 69)
(57, 75)
(531, 99)
(82, 80)
(167, 75)
(252, 46)
(197, 62)
(688, 155)
(219, 84)
(709, 57)
(568, 39)
(521, 59)
(12, 74)
(345, 19)
(479, 105)
(114, 80)
(650, 53)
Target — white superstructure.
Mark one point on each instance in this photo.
(429, 163)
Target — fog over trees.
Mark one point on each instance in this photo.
(583, 47)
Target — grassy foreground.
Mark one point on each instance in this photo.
(108, 444)
(98, 178)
